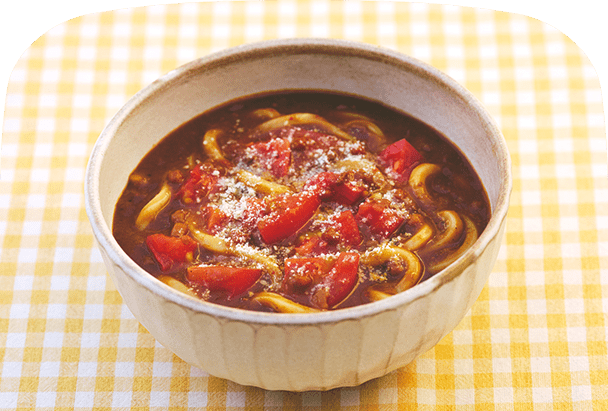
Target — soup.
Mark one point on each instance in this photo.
(298, 202)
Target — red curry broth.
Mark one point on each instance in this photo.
(305, 212)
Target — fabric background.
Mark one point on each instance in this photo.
(535, 339)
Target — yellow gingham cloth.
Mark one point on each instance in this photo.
(537, 336)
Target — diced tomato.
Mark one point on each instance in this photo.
(216, 219)
(342, 230)
(379, 217)
(201, 182)
(323, 184)
(400, 157)
(348, 193)
(245, 217)
(330, 188)
(338, 283)
(169, 251)
(348, 229)
(234, 280)
(254, 210)
(274, 155)
(301, 273)
(328, 283)
(289, 214)
(313, 244)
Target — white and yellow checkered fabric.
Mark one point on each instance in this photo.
(536, 338)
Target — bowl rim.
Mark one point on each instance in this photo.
(105, 239)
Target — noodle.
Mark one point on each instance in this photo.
(154, 206)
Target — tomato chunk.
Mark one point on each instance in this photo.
(170, 251)
(338, 283)
(400, 157)
(254, 210)
(234, 280)
(274, 155)
(323, 184)
(216, 219)
(330, 188)
(301, 273)
(312, 244)
(201, 182)
(379, 217)
(342, 230)
(348, 229)
(289, 214)
(348, 193)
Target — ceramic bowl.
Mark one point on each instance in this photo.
(300, 351)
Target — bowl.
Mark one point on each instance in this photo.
(298, 352)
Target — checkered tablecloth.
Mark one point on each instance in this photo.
(537, 336)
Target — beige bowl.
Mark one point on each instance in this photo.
(299, 351)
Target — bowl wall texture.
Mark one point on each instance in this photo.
(300, 351)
